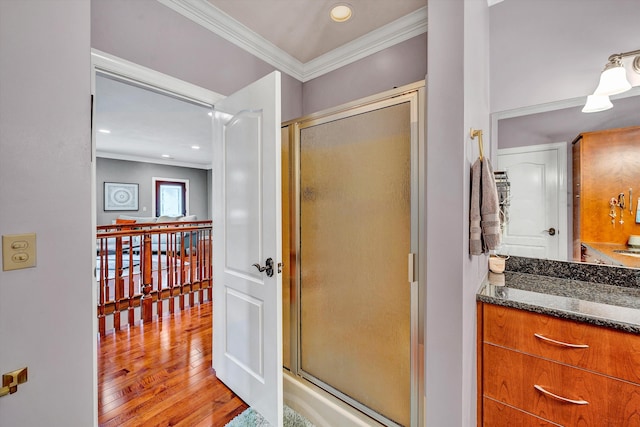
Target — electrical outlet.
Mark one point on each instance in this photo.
(18, 251)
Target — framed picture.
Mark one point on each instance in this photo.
(120, 197)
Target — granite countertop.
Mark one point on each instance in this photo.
(614, 253)
(599, 304)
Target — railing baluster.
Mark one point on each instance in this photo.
(192, 266)
(130, 292)
(119, 285)
(181, 279)
(201, 265)
(147, 280)
(160, 273)
(210, 264)
(101, 303)
(171, 279)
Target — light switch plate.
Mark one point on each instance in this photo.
(18, 251)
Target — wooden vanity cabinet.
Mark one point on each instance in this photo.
(605, 164)
(536, 370)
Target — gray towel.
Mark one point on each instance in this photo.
(490, 208)
(475, 232)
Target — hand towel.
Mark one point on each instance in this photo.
(475, 232)
(489, 208)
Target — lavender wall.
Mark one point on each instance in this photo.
(47, 313)
(395, 66)
(476, 115)
(542, 53)
(445, 232)
(457, 99)
(150, 34)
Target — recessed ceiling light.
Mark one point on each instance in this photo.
(104, 131)
(210, 113)
(341, 12)
(195, 147)
(166, 156)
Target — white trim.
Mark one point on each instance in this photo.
(153, 192)
(94, 226)
(543, 108)
(563, 213)
(562, 146)
(157, 161)
(111, 64)
(204, 13)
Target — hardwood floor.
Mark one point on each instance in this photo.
(160, 374)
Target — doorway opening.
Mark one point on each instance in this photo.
(188, 107)
(170, 196)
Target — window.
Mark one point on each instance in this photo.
(170, 197)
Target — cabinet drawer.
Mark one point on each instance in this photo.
(496, 414)
(528, 382)
(603, 350)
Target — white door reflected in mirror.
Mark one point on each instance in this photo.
(538, 201)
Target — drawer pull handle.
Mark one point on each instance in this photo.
(564, 344)
(563, 399)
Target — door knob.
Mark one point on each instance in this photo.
(268, 269)
(551, 231)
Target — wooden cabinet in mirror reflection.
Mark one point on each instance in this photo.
(606, 170)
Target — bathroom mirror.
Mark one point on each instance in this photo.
(540, 127)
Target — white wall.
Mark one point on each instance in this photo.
(543, 51)
(46, 312)
(457, 99)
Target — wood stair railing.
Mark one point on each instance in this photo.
(138, 265)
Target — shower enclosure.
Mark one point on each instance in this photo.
(351, 292)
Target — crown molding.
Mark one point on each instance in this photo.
(205, 14)
(143, 159)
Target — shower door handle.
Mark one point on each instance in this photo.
(268, 269)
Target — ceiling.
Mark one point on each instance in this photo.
(144, 124)
(304, 29)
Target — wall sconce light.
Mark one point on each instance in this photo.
(613, 81)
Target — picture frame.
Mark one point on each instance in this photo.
(120, 196)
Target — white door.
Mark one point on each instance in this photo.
(247, 230)
(537, 214)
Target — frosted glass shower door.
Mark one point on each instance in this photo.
(355, 234)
